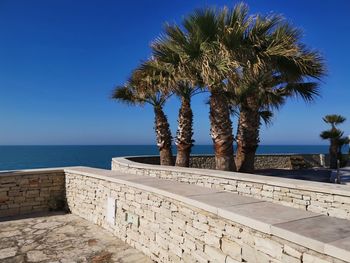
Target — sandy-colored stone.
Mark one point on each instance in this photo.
(314, 232)
(63, 238)
(8, 252)
(36, 256)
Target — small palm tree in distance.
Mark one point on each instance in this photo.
(336, 138)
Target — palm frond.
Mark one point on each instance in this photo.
(334, 119)
(331, 134)
(308, 91)
(126, 95)
(266, 116)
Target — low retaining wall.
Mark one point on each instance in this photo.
(25, 192)
(172, 227)
(169, 228)
(328, 199)
(262, 161)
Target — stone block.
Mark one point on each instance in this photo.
(231, 260)
(215, 254)
(8, 252)
(231, 249)
(289, 259)
(292, 251)
(342, 199)
(200, 256)
(212, 240)
(176, 249)
(269, 247)
(249, 254)
(308, 258)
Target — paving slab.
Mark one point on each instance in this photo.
(62, 238)
(181, 189)
(128, 177)
(225, 199)
(213, 201)
(263, 215)
(314, 232)
(339, 249)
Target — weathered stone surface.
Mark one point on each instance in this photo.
(63, 238)
(262, 161)
(173, 228)
(36, 256)
(162, 219)
(8, 252)
(215, 254)
(41, 190)
(307, 258)
(231, 249)
(339, 248)
(328, 199)
(314, 231)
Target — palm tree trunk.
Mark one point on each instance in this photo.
(184, 134)
(163, 137)
(333, 154)
(247, 135)
(221, 132)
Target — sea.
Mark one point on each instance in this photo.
(99, 156)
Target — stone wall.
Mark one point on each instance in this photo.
(262, 161)
(31, 191)
(168, 230)
(329, 199)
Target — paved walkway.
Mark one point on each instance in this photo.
(62, 239)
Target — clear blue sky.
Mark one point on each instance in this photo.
(60, 59)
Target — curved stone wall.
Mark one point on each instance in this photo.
(171, 223)
(262, 161)
(329, 199)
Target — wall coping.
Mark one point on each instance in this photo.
(258, 154)
(328, 188)
(279, 226)
(6, 173)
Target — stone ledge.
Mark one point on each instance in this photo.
(323, 234)
(336, 189)
(262, 161)
(4, 173)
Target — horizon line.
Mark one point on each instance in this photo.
(149, 145)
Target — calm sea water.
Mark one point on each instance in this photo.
(27, 157)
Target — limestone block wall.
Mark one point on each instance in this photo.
(23, 192)
(168, 230)
(328, 199)
(262, 161)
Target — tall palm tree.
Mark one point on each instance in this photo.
(184, 133)
(275, 66)
(335, 136)
(198, 45)
(143, 87)
(170, 61)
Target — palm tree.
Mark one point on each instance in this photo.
(170, 61)
(335, 136)
(275, 66)
(143, 87)
(184, 133)
(198, 45)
